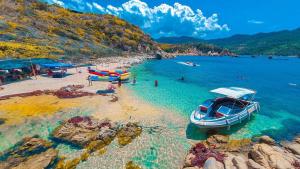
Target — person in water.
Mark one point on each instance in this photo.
(155, 83)
(182, 78)
(134, 80)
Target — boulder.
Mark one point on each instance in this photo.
(293, 147)
(271, 157)
(253, 165)
(239, 162)
(297, 139)
(212, 163)
(228, 161)
(267, 140)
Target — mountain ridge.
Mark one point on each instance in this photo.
(285, 42)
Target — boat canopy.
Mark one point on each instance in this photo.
(233, 92)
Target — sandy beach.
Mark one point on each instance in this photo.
(44, 111)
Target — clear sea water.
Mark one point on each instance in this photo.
(277, 82)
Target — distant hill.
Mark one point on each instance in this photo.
(30, 28)
(195, 49)
(286, 43)
(178, 40)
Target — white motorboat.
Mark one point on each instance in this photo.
(235, 105)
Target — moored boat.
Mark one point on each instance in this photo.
(235, 105)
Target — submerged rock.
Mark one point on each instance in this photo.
(223, 143)
(132, 165)
(30, 152)
(129, 132)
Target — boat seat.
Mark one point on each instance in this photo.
(224, 110)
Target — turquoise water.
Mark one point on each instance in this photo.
(277, 82)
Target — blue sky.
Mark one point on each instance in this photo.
(198, 18)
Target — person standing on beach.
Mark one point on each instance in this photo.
(119, 82)
(90, 80)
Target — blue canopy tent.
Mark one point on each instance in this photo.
(12, 64)
(57, 65)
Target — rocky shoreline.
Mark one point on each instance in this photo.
(87, 133)
(218, 152)
(92, 135)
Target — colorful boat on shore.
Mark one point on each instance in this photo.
(105, 75)
(236, 105)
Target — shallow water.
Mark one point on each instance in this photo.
(277, 82)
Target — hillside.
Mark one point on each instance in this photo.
(29, 28)
(286, 43)
(178, 40)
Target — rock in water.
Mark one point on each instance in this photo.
(39, 161)
(83, 130)
(267, 140)
(30, 152)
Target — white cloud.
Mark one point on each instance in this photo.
(99, 7)
(90, 6)
(253, 21)
(161, 20)
(58, 2)
(167, 20)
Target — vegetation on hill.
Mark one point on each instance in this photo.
(178, 40)
(194, 49)
(29, 28)
(285, 43)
